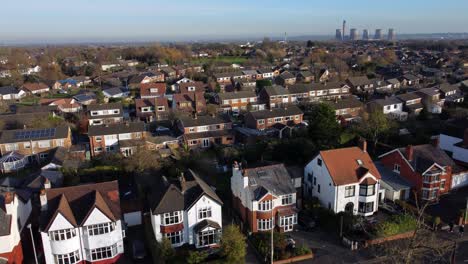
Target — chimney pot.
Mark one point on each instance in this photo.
(363, 144)
(435, 141)
(409, 152)
(43, 199)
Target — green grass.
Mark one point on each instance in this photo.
(225, 59)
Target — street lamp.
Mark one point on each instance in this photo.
(33, 244)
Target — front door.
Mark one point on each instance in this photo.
(206, 142)
(403, 195)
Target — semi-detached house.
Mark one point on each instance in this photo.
(205, 131)
(82, 224)
(99, 114)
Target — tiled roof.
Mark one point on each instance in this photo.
(119, 128)
(276, 112)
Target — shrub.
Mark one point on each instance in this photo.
(396, 225)
(196, 257)
(302, 250)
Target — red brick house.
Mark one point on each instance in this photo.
(205, 131)
(427, 167)
(189, 102)
(152, 90)
(264, 197)
(152, 109)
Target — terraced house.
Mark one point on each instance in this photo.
(265, 119)
(236, 102)
(205, 131)
(124, 138)
(264, 197)
(82, 224)
(34, 144)
(186, 211)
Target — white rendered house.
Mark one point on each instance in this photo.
(344, 180)
(186, 212)
(82, 223)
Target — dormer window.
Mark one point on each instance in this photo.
(191, 88)
(359, 162)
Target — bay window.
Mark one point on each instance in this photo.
(99, 229)
(366, 190)
(265, 224)
(69, 258)
(64, 234)
(175, 237)
(366, 207)
(102, 253)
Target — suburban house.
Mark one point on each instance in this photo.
(82, 224)
(285, 78)
(344, 180)
(169, 73)
(275, 96)
(35, 144)
(426, 167)
(451, 93)
(144, 78)
(361, 84)
(11, 93)
(66, 105)
(35, 88)
(409, 80)
(265, 73)
(121, 137)
(115, 92)
(264, 197)
(396, 187)
(431, 99)
(265, 119)
(236, 102)
(99, 114)
(411, 102)
(347, 110)
(455, 142)
(15, 210)
(106, 66)
(205, 131)
(223, 78)
(329, 91)
(189, 102)
(390, 106)
(152, 109)
(186, 211)
(152, 90)
(305, 76)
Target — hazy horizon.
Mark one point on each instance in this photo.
(52, 21)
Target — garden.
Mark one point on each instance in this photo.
(283, 249)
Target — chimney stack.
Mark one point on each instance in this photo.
(183, 187)
(47, 184)
(43, 199)
(363, 144)
(435, 141)
(409, 152)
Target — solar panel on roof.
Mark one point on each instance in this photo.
(34, 134)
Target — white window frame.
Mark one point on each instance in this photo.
(204, 213)
(287, 199)
(102, 253)
(69, 258)
(265, 205)
(63, 234)
(350, 191)
(396, 168)
(265, 224)
(175, 237)
(171, 218)
(100, 229)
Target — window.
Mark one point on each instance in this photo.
(171, 218)
(98, 149)
(319, 162)
(388, 107)
(396, 168)
(207, 238)
(44, 144)
(69, 258)
(315, 180)
(429, 194)
(395, 106)
(265, 205)
(431, 178)
(244, 100)
(161, 108)
(192, 129)
(442, 185)
(60, 142)
(11, 147)
(59, 235)
(99, 229)
(175, 237)
(27, 145)
(265, 224)
(125, 136)
(286, 219)
(204, 213)
(350, 191)
(366, 190)
(43, 155)
(366, 207)
(296, 117)
(278, 119)
(102, 253)
(98, 139)
(261, 121)
(318, 188)
(287, 199)
(116, 111)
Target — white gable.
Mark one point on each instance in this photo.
(59, 223)
(96, 217)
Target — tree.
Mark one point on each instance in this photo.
(233, 246)
(165, 250)
(374, 126)
(142, 160)
(324, 129)
(197, 257)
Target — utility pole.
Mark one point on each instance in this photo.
(272, 227)
(33, 244)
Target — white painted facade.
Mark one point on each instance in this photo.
(190, 218)
(13, 96)
(20, 213)
(82, 242)
(392, 194)
(319, 183)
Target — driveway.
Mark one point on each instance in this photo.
(449, 205)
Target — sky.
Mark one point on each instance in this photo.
(191, 20)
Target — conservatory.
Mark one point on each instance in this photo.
(12, 161)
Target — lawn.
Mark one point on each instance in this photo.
(224, 59)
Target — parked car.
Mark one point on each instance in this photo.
(138, 249)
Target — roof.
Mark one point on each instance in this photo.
(343, 165)
(274, 179)
(237, 95)
(429, 91)
(349, 102)
(424, 156)
(359, 80)
(287, 75)
(22, 135)
(145, 88)
(119, 128)
(113, 91)
(408, 96)
(327, 86)
(391, 178)
(204, 224)
(204, 120)
(4, 90)
(276, 112)
(199, 86)
(77, 202)
(300, 88)
(275, 90)
(35, 86)
(180, 195)
(97, 107)
(445, 87)
(386, 101)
